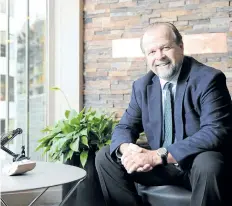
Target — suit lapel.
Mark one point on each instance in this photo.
(180, 91)
(155, 110)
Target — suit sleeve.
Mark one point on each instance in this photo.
(215, 122)
(130, 125)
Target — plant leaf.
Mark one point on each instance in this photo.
(67, 112)
(55, 88)
(47, 129)
(57, 146)
(70, 135)
(60, 135)
(65, 127)
(100, 145)
(108, 142)
(72, 114)
(43, 139)
(84, 140)
(84, 132)
(75, 145)
(61, 142)
(83, 158)
(39, 147)
(68, 155)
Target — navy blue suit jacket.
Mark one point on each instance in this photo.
(202, 113)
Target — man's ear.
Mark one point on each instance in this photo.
(181, 46)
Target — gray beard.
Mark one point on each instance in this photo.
(172, 73)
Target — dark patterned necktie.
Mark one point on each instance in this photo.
(167, 121)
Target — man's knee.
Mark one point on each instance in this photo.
(208, 163)
(101, 156)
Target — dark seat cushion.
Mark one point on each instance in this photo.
(168, 195)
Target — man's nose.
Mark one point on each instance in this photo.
(159, 54)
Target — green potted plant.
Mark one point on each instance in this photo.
(77, 133)
(75, 139)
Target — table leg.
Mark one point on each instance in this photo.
(4, 203)
(71, 191)
(64, 200)
(33, 201)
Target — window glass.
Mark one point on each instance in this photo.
(2, 6)
(27, 99)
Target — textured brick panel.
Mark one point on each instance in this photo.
(126, 48)
(112, 28)
(205, 43)
(193, 44)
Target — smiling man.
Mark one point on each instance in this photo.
(184, 108)
(164, 51)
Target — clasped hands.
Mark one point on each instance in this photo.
(138, 159)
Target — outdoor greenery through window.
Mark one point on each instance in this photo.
(22, 72)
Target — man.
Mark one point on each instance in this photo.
(184, 108)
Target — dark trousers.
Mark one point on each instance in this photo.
(206, 179)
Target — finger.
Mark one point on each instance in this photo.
(125, 161)
(131, 150)
(128, 152)
(128, 163)
(133, 161)
(133, 167)
(134, 147)
(147, 168)
(134, 164)
(126, 156)
(140, 169)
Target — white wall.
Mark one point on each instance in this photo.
(67, 58)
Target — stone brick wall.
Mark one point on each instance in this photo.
(108, 80)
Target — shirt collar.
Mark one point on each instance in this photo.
(173, 80)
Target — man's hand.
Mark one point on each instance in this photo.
(141, 162)
(135, 158)
(129, 148)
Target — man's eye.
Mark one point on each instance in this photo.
(166, 48)
(152, 52)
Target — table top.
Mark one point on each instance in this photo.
(45, 174)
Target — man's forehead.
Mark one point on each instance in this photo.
(159, 32)
(156, 40)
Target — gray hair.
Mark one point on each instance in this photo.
(177, 36)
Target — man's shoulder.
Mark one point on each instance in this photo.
(145, 80)
(202, 71)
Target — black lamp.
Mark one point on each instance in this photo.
(5, 138)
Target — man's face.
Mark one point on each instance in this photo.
(164, 56)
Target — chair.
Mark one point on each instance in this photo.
(169, 194)
(164, 195)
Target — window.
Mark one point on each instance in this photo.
(2, 126)
(3, 50)
(24, 67)
(3, 43)
(3, 88)
(2, 6)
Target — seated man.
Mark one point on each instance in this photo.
(184, 108)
